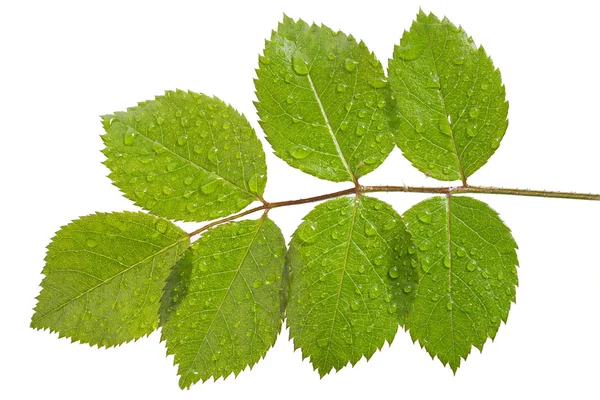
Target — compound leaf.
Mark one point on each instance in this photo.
(185, 156)
(352, 278)
(450, 100)
(468, 275)
(105, 275)
(322, 102)
(224, 300)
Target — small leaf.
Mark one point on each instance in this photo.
(468, 275)
(185, 156)
(224, 299)
(322, 102)
(450, 100)
(105, 275)
(352, 278)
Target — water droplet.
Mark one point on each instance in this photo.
(378, 260)
(341, 87)
(461, 252)
(444, 126)
(129, 137)
(375, 292)
(91, 243)
(381, 103)
(408, 289)
(160, 120)
(300, 65)
(447, 262)
(449, 306)
(181, 140)
(188, 181)
(361, 128)
(348, 106)
(210, 185)
(212, 155)
(331, 56)
(361, 269)
(471, 131)
(192, 207)
(253, 183)
(197, 149)
(474, 112)
(484, 86)
(500, 275)
(308, 232)
(350, 65)
(355, 305)
(257, 283)
(394, 273)
(472, 266)
(425, 217)
(370, 229)
(393, 307)
(378, 83)
(344, 126)
(407, 53)
(167, 190)
(425, 245)
(299, 152)
(161, 226)
(264, 60)
(495, 143)
(433, 82)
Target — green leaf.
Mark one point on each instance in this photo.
(105, 275)
(352, 278)
(225, 308)
(322, 102)
(450, 100)
(468, 275)
(185, 156)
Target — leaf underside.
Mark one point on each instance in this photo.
(352, 278)
(105, 275)
(322, 102)
(450, 100)
(224, 300)
(185, 156)
(468, 275)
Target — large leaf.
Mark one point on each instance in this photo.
(352, 278)
(105, 275)
(450, 100)
(322, 102)
(468, 275)
(185, 156)
(224, 300)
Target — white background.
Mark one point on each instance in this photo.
(64, 64)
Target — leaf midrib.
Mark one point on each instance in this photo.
(192, 163)
(329, 128)
(227, 292)
(120, 273)
(336, 309)
(445, 109)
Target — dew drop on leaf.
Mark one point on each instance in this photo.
(299, 152)
(394, 273)
(161, 226)
(350, 65)
(299, 64)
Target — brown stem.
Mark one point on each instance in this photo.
(266, 206)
